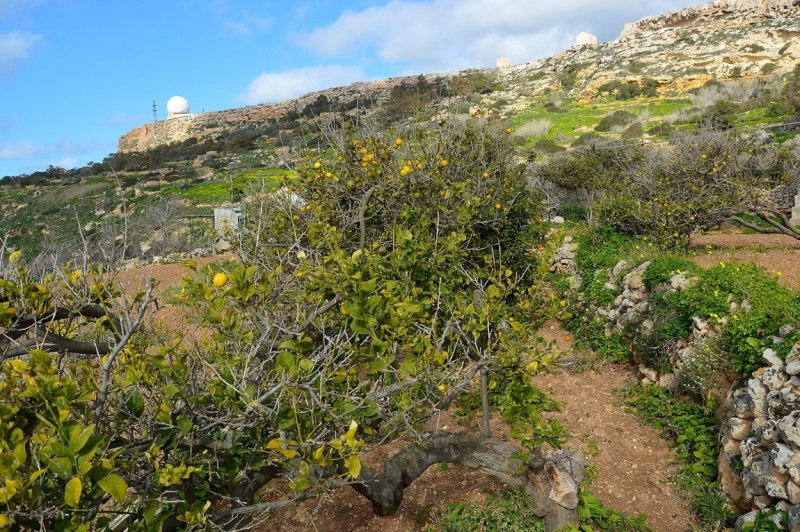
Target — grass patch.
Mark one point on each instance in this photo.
(695, 435)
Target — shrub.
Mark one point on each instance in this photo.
(649, 88)
(552, 107)
(628, 91)
(635, 130)
(548, 146)
(636, 67)
(536, 128)
(587, 139)
(696, 181)
(703, 361)
(615, 119)
(661, 130)
(609, 87)
(474, 82)
(768, 68)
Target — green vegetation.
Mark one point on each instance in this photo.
(512, 512)
(506, 511)
(695, 434)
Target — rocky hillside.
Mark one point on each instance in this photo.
(673, 53)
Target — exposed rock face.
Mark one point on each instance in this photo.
(705, 14)
(680, 50)
(210, 124)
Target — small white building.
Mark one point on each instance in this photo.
(226, 224)
(503, 62)
(227, 218)
(585, 38)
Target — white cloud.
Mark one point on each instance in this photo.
(26, 149)
(247, 26)
(20, 150)
(67, 162)
(15, 47)
(278, 86)
(9, 7)
(454, 34)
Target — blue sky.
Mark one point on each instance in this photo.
(76, 74)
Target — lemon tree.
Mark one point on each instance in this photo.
(390, 274)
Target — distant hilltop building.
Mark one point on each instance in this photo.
(503, 62)
(585, 38)
(177, 106)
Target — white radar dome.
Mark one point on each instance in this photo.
(178, 105)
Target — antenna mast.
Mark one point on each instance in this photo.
(155, 114)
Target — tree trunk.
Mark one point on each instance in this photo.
(551, 480)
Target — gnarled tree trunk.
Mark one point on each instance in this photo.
(551, 480)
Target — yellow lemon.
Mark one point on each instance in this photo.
(398, 142)
(220, 280)
(486, 174)
(444, 163)
(317, 165)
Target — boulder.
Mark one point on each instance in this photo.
(772, 358)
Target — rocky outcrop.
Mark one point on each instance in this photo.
(680, 50)
(747, 11)
(209, 125)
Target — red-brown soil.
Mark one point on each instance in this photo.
(777, 254)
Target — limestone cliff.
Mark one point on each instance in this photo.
(211, 124)
(681, 50)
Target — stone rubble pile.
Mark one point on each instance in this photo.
(564, 258)
(170, 258)
(760, 459)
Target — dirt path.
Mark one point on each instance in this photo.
(634, 464)
(777, 254)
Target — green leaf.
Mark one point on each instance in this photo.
(285, 360)
(360, 326)
(79, 436)
(353, 465)
(72, 492)
(114, 485)
(134, 403)
(350, 437)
